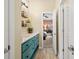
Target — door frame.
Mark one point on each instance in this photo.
(6, 30)
(61, 31)
(57, 33)
(11, 26)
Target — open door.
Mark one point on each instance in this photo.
(66, 32)
(69, 32)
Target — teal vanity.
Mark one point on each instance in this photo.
(29, 46)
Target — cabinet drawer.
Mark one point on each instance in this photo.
(26, 56)
(28, 53)
(26, 45)
(31, 50)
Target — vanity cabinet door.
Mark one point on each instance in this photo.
(25, 55)
(25, 46)
(29, 52)
(32, 49)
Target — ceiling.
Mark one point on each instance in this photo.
(53, 3)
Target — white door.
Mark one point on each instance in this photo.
(6, 48)
(68, 32)
(54, 33)
(71, 31)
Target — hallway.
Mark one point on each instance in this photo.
(45, 53)
(48, 42)
(43, 24)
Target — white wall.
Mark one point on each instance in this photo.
(18, 29)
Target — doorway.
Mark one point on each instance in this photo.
(47, 34)
(47, 28)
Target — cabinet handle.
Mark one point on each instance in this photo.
(26, 45)
(27, 56)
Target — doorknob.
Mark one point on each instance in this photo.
(71, 48)
(6, 50)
